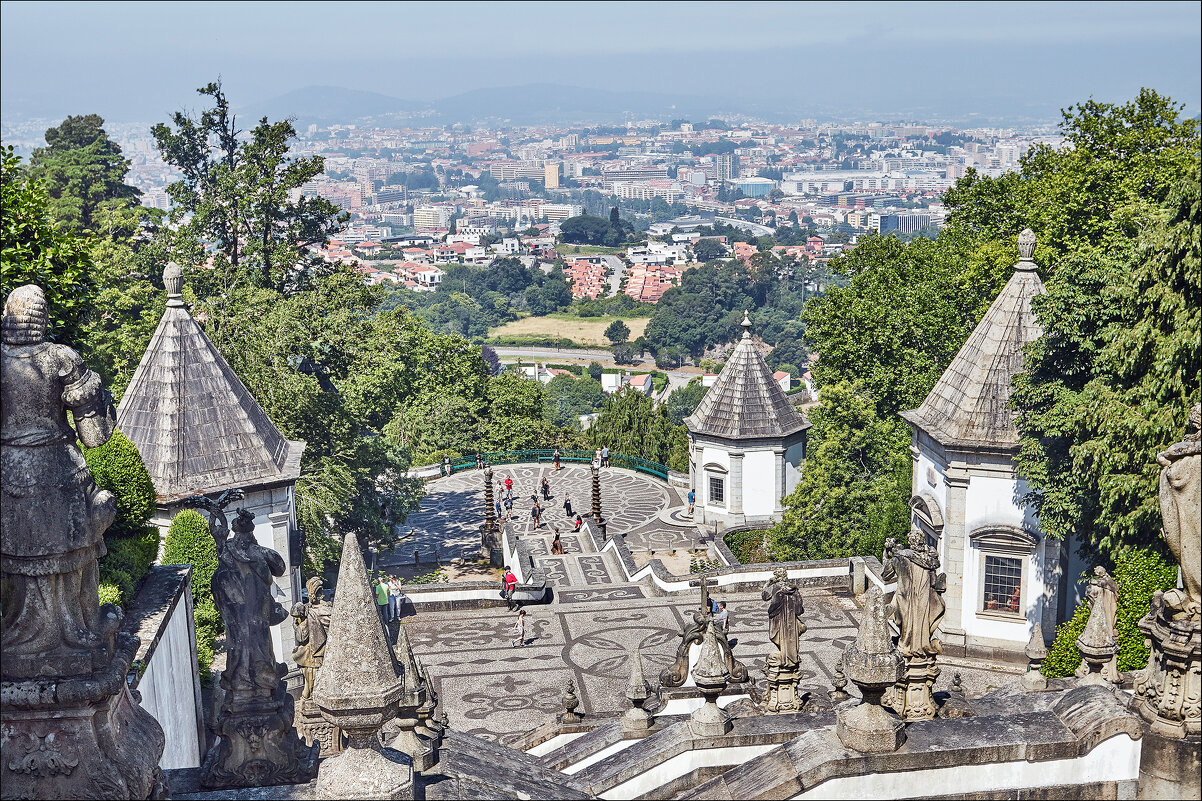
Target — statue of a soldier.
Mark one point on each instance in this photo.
(53, 515)
(785, 628)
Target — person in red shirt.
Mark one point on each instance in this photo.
(510, 583)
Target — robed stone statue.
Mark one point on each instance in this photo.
(917, 605)
(311, 622)
(785, 628)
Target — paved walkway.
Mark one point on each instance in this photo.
(641, 508)
(499, 692)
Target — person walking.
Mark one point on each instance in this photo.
(509, 485)
(446, 465)
(692, 500)
(536, 514)
(479, 460)
(519, 630)
(509, 583)
(555, 456)
(381, 600)
(605, 456)
(557, 545)
(578, 524)
(497, 504)
(567, 504)
(546, 489)
(722, 619)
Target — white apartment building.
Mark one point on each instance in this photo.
(431, 217)
(561, 211)
(646, 190)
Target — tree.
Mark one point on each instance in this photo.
(491, 360)
(856, 483)
(708, 250)
(793, 218)
(595, 370)
(82, 170)
(189, 542)
(567, 398)
(615, 221)
(631, 423)
(34, 250)
(238, 195)
(617, 332)
(623, 354)
(683, 401)
(1112, 379)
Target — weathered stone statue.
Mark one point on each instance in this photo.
(64, 661)
(257, 745)
(873, 665)
(710, 675)
(917, 608)
(785, 628)
(1098, 643)
(1168, 692)
(310, 623)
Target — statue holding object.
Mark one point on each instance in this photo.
(917, 608)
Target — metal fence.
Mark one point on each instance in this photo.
(540, 455)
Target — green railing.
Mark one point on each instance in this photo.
(540, 455)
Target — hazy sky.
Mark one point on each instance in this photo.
(140, 60)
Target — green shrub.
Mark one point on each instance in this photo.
(1139, 574)
(208, 626)
(748, 546)
(117, 467)
(190, 543)
(132, 545)
(110, 593)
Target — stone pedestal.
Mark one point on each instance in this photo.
(1168, 691)
(80, 737)
(913, 697)
(258, 746)
(782, 689)
(366, 770)
(1169, 768)
(874, 665)
(314, 728)
(1098, 664)
(869, 727)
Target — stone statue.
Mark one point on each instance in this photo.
(258, 745)
(917, 608)
(310, 621)
(1180, 488)
(1098, 643)
(785, 628)
(71, 726)
(219, 525)
(785, 608)
(917, 605)
(1168, 690)
(53, 515)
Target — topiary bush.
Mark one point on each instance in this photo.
(190, 543)
(132, 545)
(1139, 574)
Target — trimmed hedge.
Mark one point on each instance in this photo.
(190, 543)
(1139, 574)
(132, 545)
(748, 546)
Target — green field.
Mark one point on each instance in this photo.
(581, 330)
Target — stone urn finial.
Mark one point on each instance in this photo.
(746, 325)
(710, 675)
(1026, 250)
(570, 702)
(1036, 652)
(873, 664)
(638, 691)
(173, 282)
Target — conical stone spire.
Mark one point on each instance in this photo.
(873, 665)
(357, 690)
(710, 674)
(414, 697)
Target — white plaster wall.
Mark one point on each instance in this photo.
(168, 688)
(682, 764)
(991, 502)
(558, 741)
(759, 483)
(711, 455)
(920, 484)
(1114, 760)
(793, 468)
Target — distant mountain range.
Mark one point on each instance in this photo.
(539, 103)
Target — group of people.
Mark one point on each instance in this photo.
(503, 504)
(389, 597)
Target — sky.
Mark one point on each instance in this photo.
(139, 61)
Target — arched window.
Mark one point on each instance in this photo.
(926, 517)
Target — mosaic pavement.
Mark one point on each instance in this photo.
(596, 619)
(496, 691)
